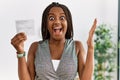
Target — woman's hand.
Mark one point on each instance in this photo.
(18, 42)
(91, 33)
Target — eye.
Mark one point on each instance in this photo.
(62, 18)
(51, 18)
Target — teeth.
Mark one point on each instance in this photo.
(57, 28)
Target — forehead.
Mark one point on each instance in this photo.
(56, 10)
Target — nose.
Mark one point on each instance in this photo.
(57, 21)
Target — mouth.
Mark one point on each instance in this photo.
(57, 30)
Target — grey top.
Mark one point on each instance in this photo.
(67, 68)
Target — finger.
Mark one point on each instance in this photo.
(22, 34)
(16, 42)
(19, 36)
(18, 39)
(94, 26)
(90, 37)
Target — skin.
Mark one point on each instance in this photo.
(56, 20)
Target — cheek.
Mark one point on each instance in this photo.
(49, 26)
(66, 26)
(49, 30)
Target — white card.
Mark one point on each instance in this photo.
(26, 26)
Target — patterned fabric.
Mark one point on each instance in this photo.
(67, 68)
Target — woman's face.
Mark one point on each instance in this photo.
(57, 23)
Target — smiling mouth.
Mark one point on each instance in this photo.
(57, 30)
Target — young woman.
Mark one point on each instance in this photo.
(57, 56)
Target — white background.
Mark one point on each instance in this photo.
(83, 12)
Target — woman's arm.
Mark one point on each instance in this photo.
(81, 58)
(31, 59)
(18, 43)
(23, 69)
(87, 67)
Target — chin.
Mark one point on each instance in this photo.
(59, 38)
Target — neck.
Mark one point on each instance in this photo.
(57, 42)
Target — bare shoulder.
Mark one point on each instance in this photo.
(34, 44)
(79, 47)
(31, 59)
(31, 53)
(78, 43)
(33, 48)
